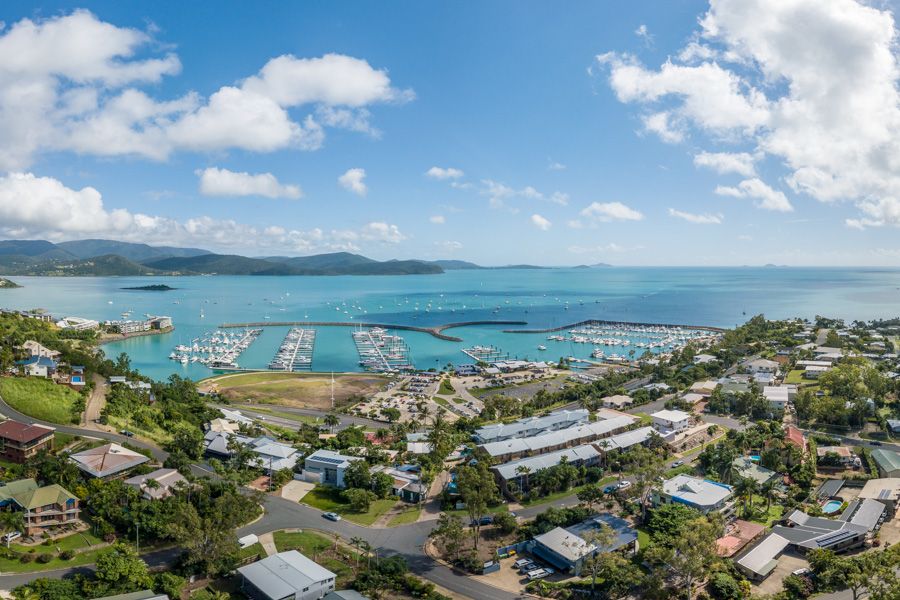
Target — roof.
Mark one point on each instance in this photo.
(618, 399)
(544, 461)
(671, 415)
(27, 494)
(23, 432)
(106, 460)
(333, 458)
(842, 451)
(41, 361)
(887, 489)
(761, 559)
(887, 460)
(751, 470)
(344, 595)
(142, 595)
(794, 436)
(830, 488)
(628, 439)
(776, 393)
(864, 512)
(502, 431)
(692, 398)
(284, 574)
(817, 532)
(166, 478)
(695, 491)
(565, 543)
(560, 437)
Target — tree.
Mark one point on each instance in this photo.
(646, 469)
(382, 484)
(744, 488)
(725, 587)
(188, 440)
(601, 538)
(619, 574)
(121, 570)
(691, 554)
(357, 475)
(669, 520)
(450, 532)
(360, 500)
(590, 495)
(477, 489)
(391, 414)
(505, 522)
(332, 421)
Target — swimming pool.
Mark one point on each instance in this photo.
(831, 507)
(754, 457)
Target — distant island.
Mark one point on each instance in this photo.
(157, 287)
(7, 284)
(109, 258)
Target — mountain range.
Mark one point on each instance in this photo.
(111, 258)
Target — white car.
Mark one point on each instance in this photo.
(12, 535)
(624, 484)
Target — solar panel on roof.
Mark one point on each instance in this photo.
(329, 460)
(834, 538)
(884, 494)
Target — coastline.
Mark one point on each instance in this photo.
(108, 338)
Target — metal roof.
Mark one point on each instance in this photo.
(502, 431)
(284, 574)
(544, 461)
(696, 491)
(761, 559)
(560, 437)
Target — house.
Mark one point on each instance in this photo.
(271, 455)
(407, 485)
(531, 426)
(107, 461)
(761, 365)
(328, 466)
(519, 470)
(286, 576)
(38, 366)
(885, 490)
(813, 372)
(667, 421)
(702, 494)
(77, 323)
(893, 425)
(345, 595)
(418, 447)
(626, 440)
(704, 359)
(43, 507)
(618, 401)
(779, 396)
(20, 442)
(566, 549)
(801, 533)
(692, 398)
(704, 388)
(836, 456)
(555, 440)
(737, 535)
(794, 437)
(36, 349)
(164, 481)
(747, 468)
(888, 462)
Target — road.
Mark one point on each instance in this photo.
(259, 413)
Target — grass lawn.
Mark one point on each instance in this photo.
(446, 388)
(302, 390)
(321, 549)
(441, 401)
(571, 491)
(759, 505)
(643, 538)
(328, 499)
(75, 541)
(82, 558)
(39, 398)
(492, 510)
(458, 400)
(644, 417)
(60, 440)
(157, 434)
(287, 415)
(254, 550)
(410, 515)
(796, 377)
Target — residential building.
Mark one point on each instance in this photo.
(38, 366)
(888, 462)
(779, 396)
(286, 576)
(519, 470)
(328, 466)
(626, 440)
(813, 372)
(704, 495)
(667, 421)
(157, 485)
(567, 549)
(704, 388)
(20, 442)
(107, 461)
(692, 398)
(893, 425)
(617, 402)
(794, 437)
(844, 454)
(747, 468)
(531, 426)
(885, 490)
(42, 507)
(407, 485)
(761, 365)
(77, 323)
(704, 359)
(36, 349)
(576, 435)
(271, 455)
(345, 595)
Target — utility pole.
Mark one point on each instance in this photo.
(332, 390)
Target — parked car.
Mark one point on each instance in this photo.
(127, 433)
(12, 535)
(677, 464)
(610, 489)
(485, 520)
(521, 563)
(537, 574)
(332, 516)
(528, 567)
(875, 443)
(624, 484)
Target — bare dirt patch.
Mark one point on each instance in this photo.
(299, 390)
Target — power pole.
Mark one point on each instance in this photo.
(332, 390)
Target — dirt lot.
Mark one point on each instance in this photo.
(299, 390)
(787, 564)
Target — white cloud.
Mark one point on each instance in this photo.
(766, 197)
(540, 222)
(437, 219)
(444, 173)
(553, 165)
(610, 248)
(559, 198)
(610, 211)
(354, 181)
(827, 109)
(698, 219)
(745, 238)
(741, 163)
(70, 83)
(449, 246)
(644, 33)
(499, 194)
(43, 207)
(222, 182)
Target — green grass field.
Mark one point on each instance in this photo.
(409, 515)
(329, 499)
(322, 548)
(77, 541)
(301, 390)
(39, 398)
(287, 415)
(570, 492)
(446, 388)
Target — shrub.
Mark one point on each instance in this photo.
(26, 558)
(67, 555)
(724, 587)
(44, 558)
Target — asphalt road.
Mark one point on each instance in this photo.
(346, 420)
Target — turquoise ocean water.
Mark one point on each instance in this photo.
(720, 297)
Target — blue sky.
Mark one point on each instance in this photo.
(632, 133)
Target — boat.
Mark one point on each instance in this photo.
(542, 347)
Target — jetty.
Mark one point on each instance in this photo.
(382, 352)
(486, 354)
(602, 323)
(296, 351)
(436, 331)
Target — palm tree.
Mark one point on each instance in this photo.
(523, 471)
(332, 421)
(356, 542)
(745, 488)
(766, 490)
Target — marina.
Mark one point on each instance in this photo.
(296, 351)
(382, 352)
(219, 349)
(486, 354)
